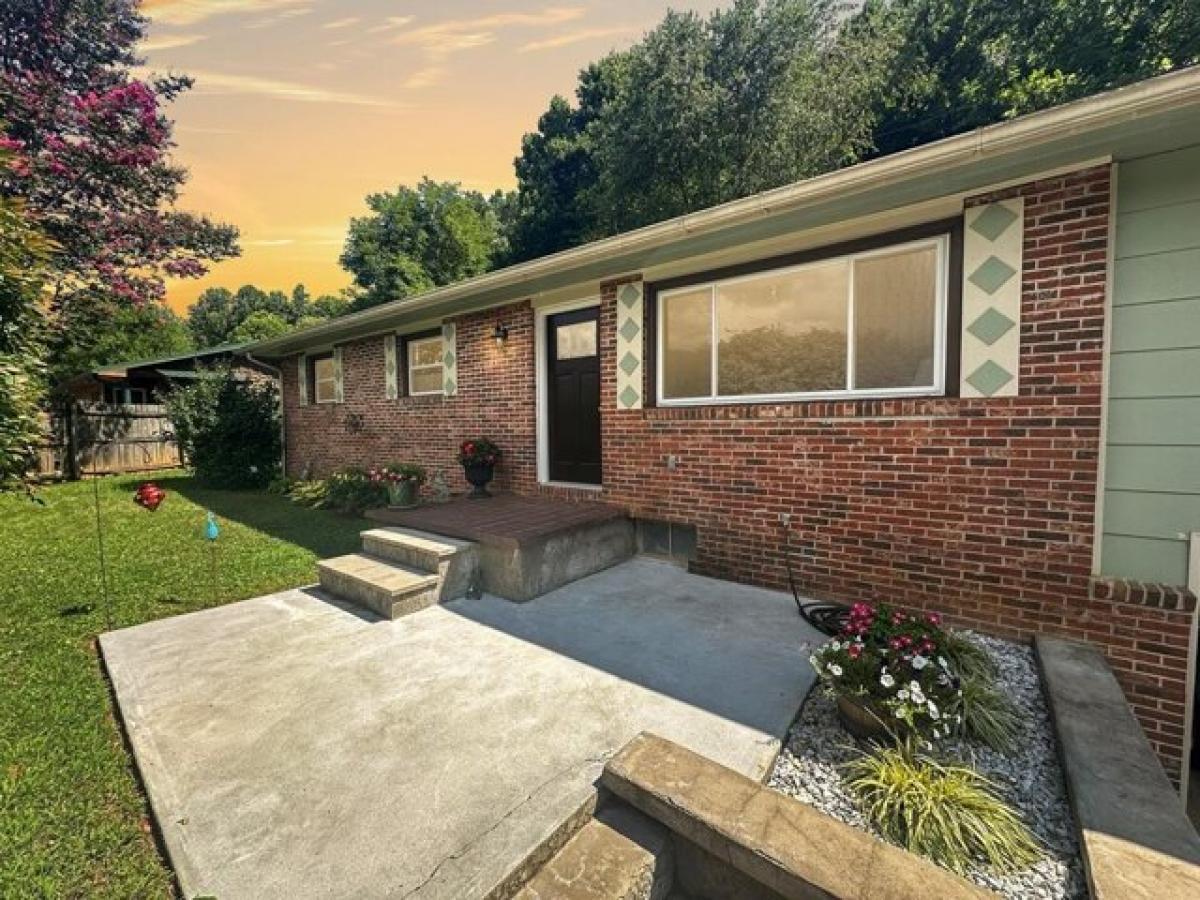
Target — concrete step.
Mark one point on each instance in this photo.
(455, 561)
(620, 854)
(388, 588)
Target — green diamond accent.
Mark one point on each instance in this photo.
(630, 295)
(629, 363)
(993, 221)
(450, 387)
(449, 358)
(629, 398)
(991, 326)
(988, 378)
(992, 275)
(630, 329)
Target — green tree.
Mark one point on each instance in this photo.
(105, 331)
(221, 316)
(701, 111)
(968, 63)
(228, 429)
(23, 256)
(260, 325)
(418, 238)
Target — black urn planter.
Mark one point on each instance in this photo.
(480, 476)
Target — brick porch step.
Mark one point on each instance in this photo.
(389, 588)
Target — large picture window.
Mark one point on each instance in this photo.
(869, 323)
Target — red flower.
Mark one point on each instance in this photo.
(855, 651)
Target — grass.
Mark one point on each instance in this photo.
(945, 812)
(73, 822)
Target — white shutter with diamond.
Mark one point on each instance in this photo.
(450, 359)
(391, 386)
(302, 378)
(630, 346)
(993, 243)
(338, 392)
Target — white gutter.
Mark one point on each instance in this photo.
(1143, 99)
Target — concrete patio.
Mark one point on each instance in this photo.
(292, 746)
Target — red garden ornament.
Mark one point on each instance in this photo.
(149, 496)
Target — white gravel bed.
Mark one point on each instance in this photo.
(1030, 779)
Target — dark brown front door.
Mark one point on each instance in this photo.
(573, 396)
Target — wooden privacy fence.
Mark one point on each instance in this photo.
(107, 439)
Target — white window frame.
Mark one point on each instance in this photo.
(312, 374)
(409, 344)
(938, 387)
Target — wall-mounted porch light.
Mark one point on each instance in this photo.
(500, 333)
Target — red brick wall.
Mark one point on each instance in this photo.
(980, 508)
(495, 397)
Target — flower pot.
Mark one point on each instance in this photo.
(402, 494)
(479, 475)
(861, 718)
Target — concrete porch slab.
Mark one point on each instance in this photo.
(292, 746)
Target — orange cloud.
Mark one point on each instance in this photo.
(189, 12)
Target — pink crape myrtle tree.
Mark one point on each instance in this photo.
(89, 149)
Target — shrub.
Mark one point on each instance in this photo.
(892, 663)
(352, 490)
(947, 813)
(310, 493)
(967, 658)
(228, 429)
(987, 715)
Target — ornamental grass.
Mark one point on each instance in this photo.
(945, 812)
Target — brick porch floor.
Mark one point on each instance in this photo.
(502, 520)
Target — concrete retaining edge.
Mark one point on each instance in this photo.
(1134, 835)
(785, 845)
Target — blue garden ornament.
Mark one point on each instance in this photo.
(211, 531)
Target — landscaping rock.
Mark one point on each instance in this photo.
(1030, 779)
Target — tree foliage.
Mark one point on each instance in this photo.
(418, 238)
(220, 316)
(767, 92)
(23, 257)
(106, 331)
(967, 63)
(228, 429)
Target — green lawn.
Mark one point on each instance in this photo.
(72, 820)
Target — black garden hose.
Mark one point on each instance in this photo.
(828, 618)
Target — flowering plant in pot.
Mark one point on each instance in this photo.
(890, 674)
(478, 457)
(403, 482)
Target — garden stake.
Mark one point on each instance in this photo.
(108, 618)
(211, 531)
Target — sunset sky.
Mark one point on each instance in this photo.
(302, 107)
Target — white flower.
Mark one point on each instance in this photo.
(914, 688)
(919, 662)
(942, 662)
(900, 713)
(835, 670)
(902, 694)
(886, 679)
(836, 645)
(933, 711)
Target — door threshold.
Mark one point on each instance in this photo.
(572, 485)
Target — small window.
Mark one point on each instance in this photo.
(425, 370)
(868, 323)
(575, 341)
(322, 378)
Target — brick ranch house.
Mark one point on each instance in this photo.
(966, 377)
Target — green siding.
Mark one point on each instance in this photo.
(1152, 468)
